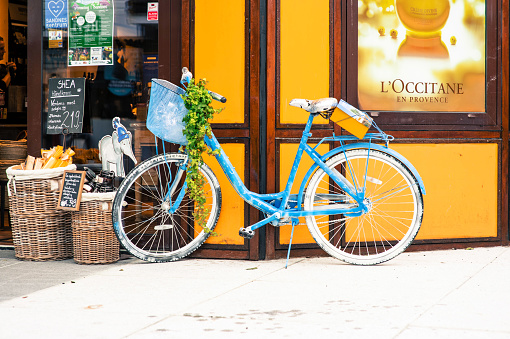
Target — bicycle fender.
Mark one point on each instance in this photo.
(376, 147)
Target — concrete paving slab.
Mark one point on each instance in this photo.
(419, 295)
(478, 304)
(448, 333)
(20, 278)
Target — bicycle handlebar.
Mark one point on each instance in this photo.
(218, 97)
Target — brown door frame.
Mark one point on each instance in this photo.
(277, 132)
(247, 132)
(495, 130)
(169, 45)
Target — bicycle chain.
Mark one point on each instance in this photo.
(304, 223)
(317, 222)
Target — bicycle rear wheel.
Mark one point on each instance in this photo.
(390, 225)
(155, 225)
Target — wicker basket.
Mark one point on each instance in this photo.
(34, 196)
(40, 232)
(42, 237)
(94, 241)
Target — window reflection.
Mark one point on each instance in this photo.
(118, 90)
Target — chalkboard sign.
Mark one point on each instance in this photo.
(70, 193)
(66, 103)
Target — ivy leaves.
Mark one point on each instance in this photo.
(198, 102)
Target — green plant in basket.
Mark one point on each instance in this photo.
(200, 111)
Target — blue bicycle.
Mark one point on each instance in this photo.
(362, 201)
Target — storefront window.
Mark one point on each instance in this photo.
(114, 45)
(13, 68)
(423, 65)
(421, 56)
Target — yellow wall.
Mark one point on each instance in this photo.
(219, 53)
(304, 60)
(304, 73)
(219, 57)
(232, 208)
(461, 182)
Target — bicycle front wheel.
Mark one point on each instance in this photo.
(394, 217)
(152, 213)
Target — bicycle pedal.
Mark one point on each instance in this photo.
(247, 234)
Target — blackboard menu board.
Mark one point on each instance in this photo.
(70, 193)
(66, 102)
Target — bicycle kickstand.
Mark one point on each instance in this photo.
(294, 223)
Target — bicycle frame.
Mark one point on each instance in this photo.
(261, 201)
(338, 187)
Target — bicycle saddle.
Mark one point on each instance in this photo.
(315, 106)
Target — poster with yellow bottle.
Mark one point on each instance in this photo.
(423, 56)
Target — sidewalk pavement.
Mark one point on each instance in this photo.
(438, 294)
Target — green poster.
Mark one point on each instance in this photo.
(90, 32)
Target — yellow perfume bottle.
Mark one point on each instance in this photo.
(425, 18)
(423, 21)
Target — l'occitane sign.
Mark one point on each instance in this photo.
(422, 55)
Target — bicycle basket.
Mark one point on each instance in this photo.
(166, 111)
